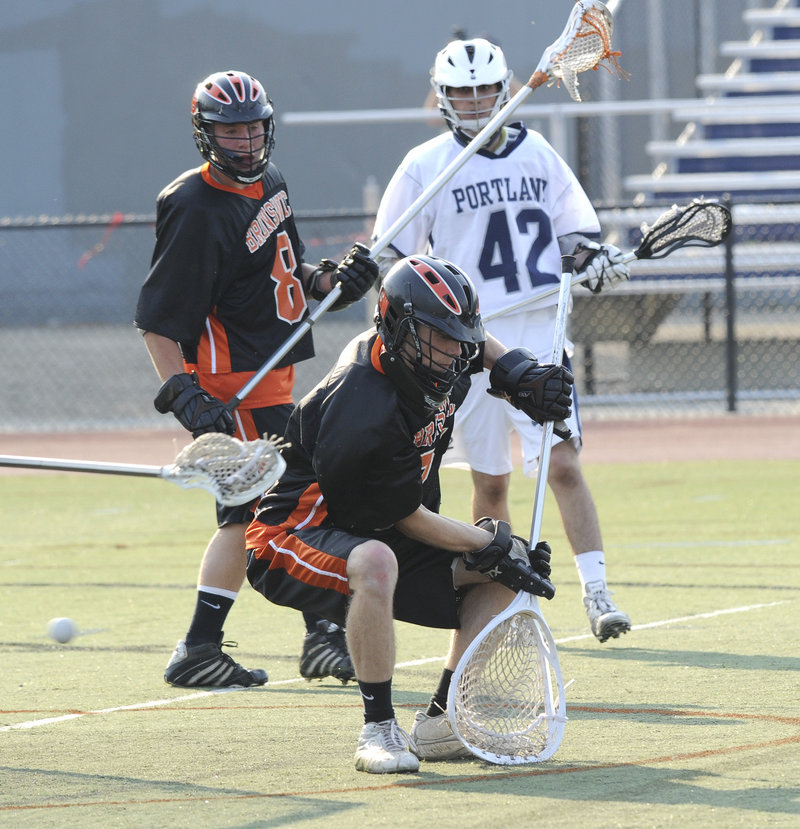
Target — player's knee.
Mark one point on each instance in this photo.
(565, 469)
(491, 488)
(372, 566)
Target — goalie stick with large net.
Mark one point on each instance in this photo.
(233, 471)
(506, 701)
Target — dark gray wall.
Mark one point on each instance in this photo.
(97, 92)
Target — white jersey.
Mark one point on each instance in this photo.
(498, 218)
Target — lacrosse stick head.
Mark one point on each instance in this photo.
(506, 702)
(234, 471)
(701, 223)
(583, 45)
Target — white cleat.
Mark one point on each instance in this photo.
(606, 620)
(434, 738)
(384, 748)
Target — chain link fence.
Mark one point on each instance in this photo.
(701, 331)
(68, 291)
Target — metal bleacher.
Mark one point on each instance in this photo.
(743, 139)
(740, 142)
(743, 142)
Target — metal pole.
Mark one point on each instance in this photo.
(730, 315)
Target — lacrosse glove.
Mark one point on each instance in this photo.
(543, 392)
(602, 265)
(507, 560)
(194, 408)
(356, 274)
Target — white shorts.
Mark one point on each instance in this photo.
(484, 424)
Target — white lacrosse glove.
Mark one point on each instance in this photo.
(605, 269)
(386, 261)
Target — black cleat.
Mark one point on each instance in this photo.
(206, 666)
(325, 654)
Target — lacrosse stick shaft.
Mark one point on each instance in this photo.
(285, 348)
(567, 265)
(67, 465)
(576, 279)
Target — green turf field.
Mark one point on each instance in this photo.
(692, 719)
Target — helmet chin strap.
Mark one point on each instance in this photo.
(240, 179)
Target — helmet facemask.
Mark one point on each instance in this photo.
(242, 159)
(425, 353)
(478, 69)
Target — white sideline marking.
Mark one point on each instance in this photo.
(664, 622)
(759, 542)
(199, 694)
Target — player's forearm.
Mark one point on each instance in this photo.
(492, 351)
(165, 355)
(317, 280)
(443, 532)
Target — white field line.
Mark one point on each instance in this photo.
(678, 619)
(659, 624)
(200, 694)
(761, 542)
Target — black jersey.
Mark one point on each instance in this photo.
(225, 278)
(360, 457)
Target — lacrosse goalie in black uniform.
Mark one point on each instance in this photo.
(227, 287)
(352, 530)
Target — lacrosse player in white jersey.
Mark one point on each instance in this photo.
(506, 217)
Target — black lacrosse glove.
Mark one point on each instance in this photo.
(356, 274)
(507, 560)
(195, 409)
(542, 391)
(539, 558)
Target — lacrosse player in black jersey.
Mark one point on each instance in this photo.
(352, 530)
(227, 286)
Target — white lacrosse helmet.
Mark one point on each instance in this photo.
(470, 63)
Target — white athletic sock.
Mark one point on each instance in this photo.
(591, 567)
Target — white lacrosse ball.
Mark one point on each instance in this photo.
(62, 629)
